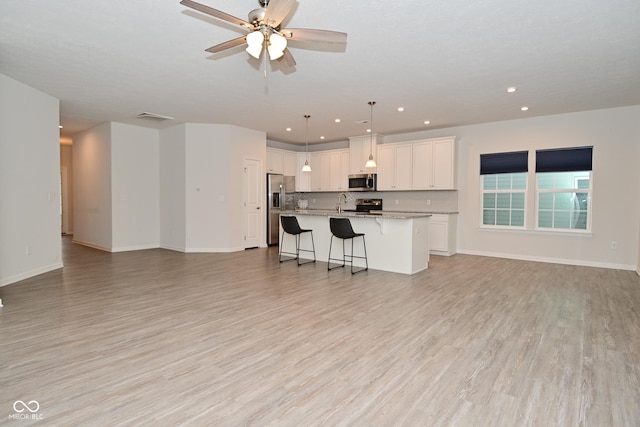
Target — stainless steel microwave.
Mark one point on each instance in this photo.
(363, 182)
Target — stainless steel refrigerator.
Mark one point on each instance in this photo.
(280, 196)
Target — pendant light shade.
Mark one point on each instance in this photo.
(306, 167)
(371, 163)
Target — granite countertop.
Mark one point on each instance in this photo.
(374, 214)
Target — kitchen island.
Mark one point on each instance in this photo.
(396, 242)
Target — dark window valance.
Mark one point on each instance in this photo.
(513, 162)
(564, 159)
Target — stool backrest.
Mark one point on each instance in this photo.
(290, 224)
(341, 227)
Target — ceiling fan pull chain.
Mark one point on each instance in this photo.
(265, 60)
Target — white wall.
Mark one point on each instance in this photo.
(29, 182)
(135, 187)
(92, 210)
(615, 136)
(201, 171)
(173, 202)
(208, 193)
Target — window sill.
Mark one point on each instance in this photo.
(537, 232)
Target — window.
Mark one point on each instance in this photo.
(504, 189)
(563, 189)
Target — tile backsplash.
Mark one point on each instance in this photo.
(401, 201)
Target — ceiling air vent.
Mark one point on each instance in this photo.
(153, 117)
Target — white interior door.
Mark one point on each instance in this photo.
(252, 202)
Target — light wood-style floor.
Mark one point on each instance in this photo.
(163, 338)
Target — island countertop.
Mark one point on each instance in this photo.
(372, 214)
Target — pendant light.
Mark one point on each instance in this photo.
(307, 166)
(371, 163)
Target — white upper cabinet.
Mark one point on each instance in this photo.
(339, 170)
(275, 162)
(394, 167)
(281, 161)
(289, 163)
(330, 170)
(359, 149)
(303, 179)
(434, 164)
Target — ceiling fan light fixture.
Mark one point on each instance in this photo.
(254, 43)
(277, 45)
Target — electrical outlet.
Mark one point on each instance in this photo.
(428, 202)
(397, 202)
(614, 245)
(28, 250)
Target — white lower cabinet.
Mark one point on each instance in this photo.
(442, 234)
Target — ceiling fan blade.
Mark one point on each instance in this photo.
(216, 13)
(310, 35)
(227, 45)
(287, 59)
(277, 10)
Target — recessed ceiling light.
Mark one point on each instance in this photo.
(60, 126)
(369, 130)
(322, 137)
(525, 108)
(511, 89)
(401, 109)
(288, 129)
(337, 120)
(427, 122)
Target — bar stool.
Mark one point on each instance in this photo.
(341, 228)
(291, 226)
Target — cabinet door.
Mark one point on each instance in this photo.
(443, 165)
(325, 171)
(438, 236)
(386, 167)
(345, 157)
(403, 167)
(274, 160)
(422, 165)
(359, 148)
(339, 174)
(289, 163)
(303, 179)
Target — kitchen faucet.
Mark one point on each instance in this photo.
(340, 196)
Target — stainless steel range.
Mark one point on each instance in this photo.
(366, 205)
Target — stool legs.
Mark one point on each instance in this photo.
(298, 249)
(351, 256)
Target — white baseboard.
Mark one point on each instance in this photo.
(30, 273)
(91, 245)
(134, 248)
(581, 263)
(213, 250)
(201, 250)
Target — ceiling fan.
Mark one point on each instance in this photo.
(265, 32)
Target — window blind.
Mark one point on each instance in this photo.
(512, 162)
(564, 159)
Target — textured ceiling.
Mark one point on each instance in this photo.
(447, 62)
